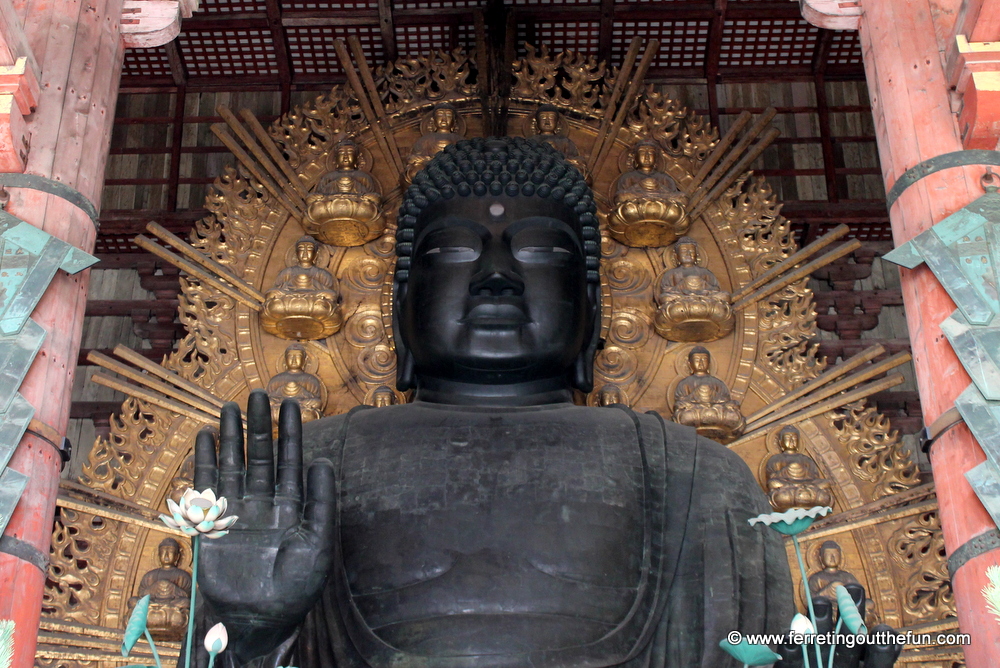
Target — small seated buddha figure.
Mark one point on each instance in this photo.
(649, 207)
(382, 396)
(793, 479)
(548, 123)
(690, 304)
(609, 395)
(443, 125)
(304, 303)
(169, 590)
(296, 383)
(823, 582)
(703, 401)
(183, 481)
(345, 207)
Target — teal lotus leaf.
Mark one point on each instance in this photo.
(849, 611)
(136, 625)
(751, 655)
(795, 527)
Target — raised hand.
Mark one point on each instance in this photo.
(265, 575)
(870, 655)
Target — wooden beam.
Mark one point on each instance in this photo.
(712, 55)
(280, 39)
(178, 71)
(605, 38)
(387, 28)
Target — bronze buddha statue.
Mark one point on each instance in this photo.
(304, 303)
(793, 479)
(296, 383)
(548, 123)
(490, 522)
(703, 401)
(691, 306)
(169, 590)
(345, 207)
(650, 210)
(441, 130)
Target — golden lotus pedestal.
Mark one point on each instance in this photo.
(694, 318)
(344, 221)
(301, 318)
(645, 223)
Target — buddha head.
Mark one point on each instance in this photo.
(443, 118)
(496, 285)
(346, 155)
(611, 394)
(830, 555)
(686, 250)
(295, 358)
(788, 439)
(306, 250)
(169, 553)
(699, 360)
(383, 396)
(646, 153)
(547, 119)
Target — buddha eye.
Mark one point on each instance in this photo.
(449, 249)
(543, 249)
(536, 243)
(452, 244)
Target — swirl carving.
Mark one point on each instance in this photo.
(364, 328)
(377, 362)
(366, 274)
(615, 363)
(629, 329)
(624, 276)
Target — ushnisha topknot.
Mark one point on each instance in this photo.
(510, 166)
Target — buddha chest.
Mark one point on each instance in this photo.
(489, 531)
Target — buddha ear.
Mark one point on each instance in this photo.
(583, 369)
(404, 360)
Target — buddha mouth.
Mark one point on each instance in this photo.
(495, 313)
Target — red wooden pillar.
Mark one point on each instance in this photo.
(78, 50)
(911, 102)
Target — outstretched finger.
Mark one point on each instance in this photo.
(318, 518)
(260, 447)
(290, 451)
(231, 464)
(206, 471)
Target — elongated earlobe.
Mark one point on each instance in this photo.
(404, 360)
(583, 369)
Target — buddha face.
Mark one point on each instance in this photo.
(645, 157)
(789, 441)
(168, 553)
(444, 119)
(610, 395)
(687, 255)
(699, 361)
(295, 359)
(830, 555)
(347, 157)
(497, 291)
(305, 252)
(548, 121)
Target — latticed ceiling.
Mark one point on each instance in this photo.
(288, 43)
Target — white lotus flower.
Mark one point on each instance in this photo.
(791, 521)
(216, 639)
(802, 625)
(199, 513)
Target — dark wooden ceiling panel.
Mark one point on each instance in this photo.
(231, 6)
(312, 52)
(682, 43)
(147, 63)
(768, 43)
(228, 53)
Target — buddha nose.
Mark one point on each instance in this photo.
(496, 284)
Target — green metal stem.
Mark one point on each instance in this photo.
(211, 659)
(152, 646)
(809, 602)
(833, 645)
(196, 543)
